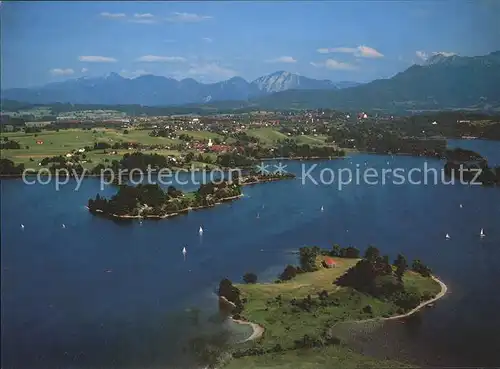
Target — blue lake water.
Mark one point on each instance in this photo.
(104, 294)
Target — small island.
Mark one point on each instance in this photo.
(151, 201)
(295, 317)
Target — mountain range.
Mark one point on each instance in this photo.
(442, 82)
(157, 90)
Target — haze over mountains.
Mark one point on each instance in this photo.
(156, 90)
(443, 82)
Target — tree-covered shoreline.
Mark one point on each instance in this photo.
(151, 201)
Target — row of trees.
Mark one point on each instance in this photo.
(142, 161)
(122, 145)
(290, 148)
(234, 159)
(9, 144)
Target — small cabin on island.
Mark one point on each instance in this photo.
(329, 263)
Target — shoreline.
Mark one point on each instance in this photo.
(268, 180)
(257, 333)
(444, 290)
(179, 212)
(259, 330)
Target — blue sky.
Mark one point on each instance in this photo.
(46, 42)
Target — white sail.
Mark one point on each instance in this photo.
(200, 231)
(447, 236)
(482, 233)
(22, 226)
(461, 206)
(322, 208)
(64, 226)
(184, 251)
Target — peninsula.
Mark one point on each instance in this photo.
(471, 166)
(296, 315)
(151, 201)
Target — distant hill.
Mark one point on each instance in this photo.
(442, 83)
(162, 91)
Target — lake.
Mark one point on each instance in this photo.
(105, 294)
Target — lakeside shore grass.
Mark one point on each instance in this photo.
(268, 306)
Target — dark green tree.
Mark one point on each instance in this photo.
(289, 273)
(335, 250)
(401, 266)
(250, 278)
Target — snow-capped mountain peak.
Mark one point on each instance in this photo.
(277, 81)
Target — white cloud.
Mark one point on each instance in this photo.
(62, 72)
(132, 74)
(112, 15)
(323, 50)
(359, 51)
(144, 18)
(97, 59)
(334, 64)
(207, 39)
(210, 70)
(369, 52)
(158, 58)
(283, 59)
(84, 70)
(188, 17)
(143, 15)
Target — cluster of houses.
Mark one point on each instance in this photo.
(209, 146)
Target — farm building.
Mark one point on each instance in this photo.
(329, 263)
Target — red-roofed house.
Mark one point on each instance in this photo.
(219, 148)
(329, 263)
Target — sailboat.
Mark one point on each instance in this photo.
(200, 231)
(22, 226)
(461, 206)
(481, 234)
(64, 225)
(184, 252)
(258, 216)
(447, 236)
(322, 208)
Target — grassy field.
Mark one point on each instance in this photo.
(331, 357)
(284, 324)
(201, 135)
(299, 287)
(270, 306)
(62, 142)
(311, 140)
(267, 136)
